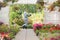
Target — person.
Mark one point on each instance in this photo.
(25, 17)
(25, 20)
(24, 26)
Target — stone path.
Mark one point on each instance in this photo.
(26, 34)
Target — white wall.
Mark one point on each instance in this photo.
(4, 14)
(51, 17)
(50, 1)
(26, 2)
(1, 0)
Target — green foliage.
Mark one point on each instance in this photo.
(17, 10)
(10, 0)
(25, 7)
(55, 31)
(43, 31)
(14, 29)
(38, 6)
(3, 4)
(11, 35)
(15, 15)
(17, 19)
(57, 3)
(6, 0)
(20, 22)
(14, 1)
(4, 28)
(29, 26)
(37, 31)
(31, 8)
(46, 26)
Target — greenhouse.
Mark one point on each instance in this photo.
(29, 19)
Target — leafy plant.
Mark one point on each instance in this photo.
(6, 0)
(10, 0)
(4, 28)
(14, 29)
(46, 26)
(14, 1)
(20, 22)
(43, 31)
(41, 2)
(29, 26)
(11, 35)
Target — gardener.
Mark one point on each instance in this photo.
(26, 15)
(24, 26)
(25, 19)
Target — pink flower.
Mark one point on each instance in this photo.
(39, 25)
(53, 39)
(34, 26)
